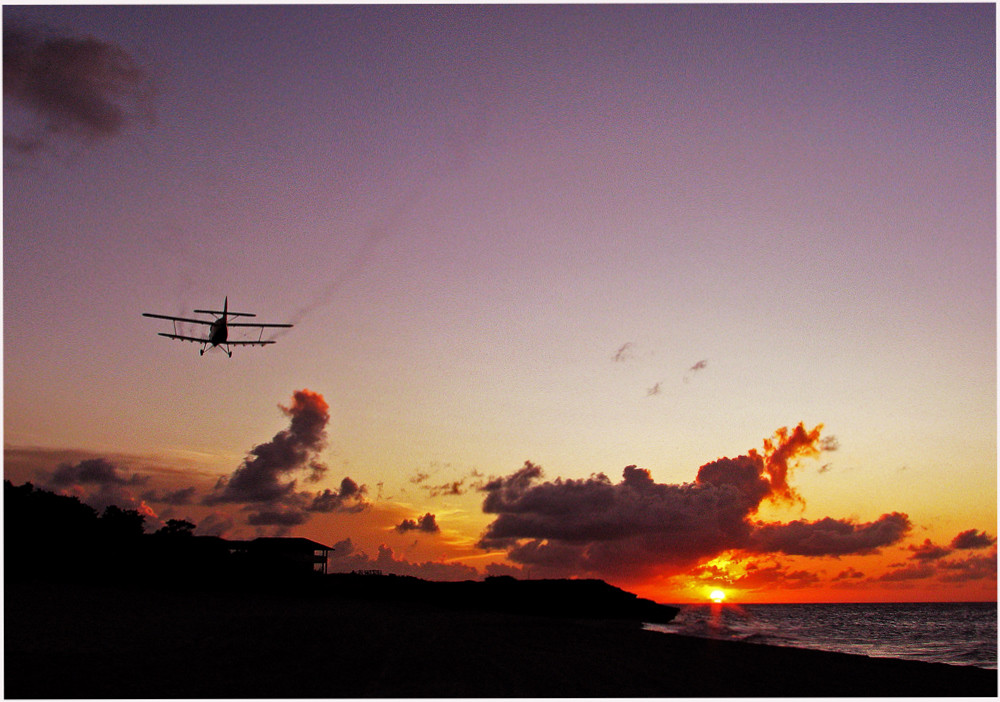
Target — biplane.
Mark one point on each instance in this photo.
(218, 332)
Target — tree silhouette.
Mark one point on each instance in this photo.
(176, 528)
(118, 523)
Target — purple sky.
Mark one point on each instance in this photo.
(777, 213)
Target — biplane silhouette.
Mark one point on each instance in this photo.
(218, 332)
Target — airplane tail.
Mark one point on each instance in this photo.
(225, 311)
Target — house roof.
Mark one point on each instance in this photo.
(282, 542)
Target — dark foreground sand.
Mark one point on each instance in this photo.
(73, 641)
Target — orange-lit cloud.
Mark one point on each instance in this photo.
(263, 481)
(639, 527)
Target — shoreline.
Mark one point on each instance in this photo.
(74, 641)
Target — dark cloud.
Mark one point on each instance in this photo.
(971, 568)
(774, 576)
(699, 366)
(262, 476)
(849, 574)
(350, 498)
(278, 517)
(928, 551)
(184, 496)
(973, 539)
(638, 527)
(265, 482)
(829, 537)
(93, 471)
(215, 524)
(829, 443)
(455, 487)
(623, 353)
(915, 571)
(72, 85)
(101, 483)
(426, 524)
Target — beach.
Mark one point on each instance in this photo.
(73, 640)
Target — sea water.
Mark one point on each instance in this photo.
(953, 632)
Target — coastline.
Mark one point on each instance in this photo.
(75, 641)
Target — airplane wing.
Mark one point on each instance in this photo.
(186, 338)
(256, 326)
(250, 343)
(227, 313)
(177, 319)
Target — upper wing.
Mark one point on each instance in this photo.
(250, 343)
(177, 319)
(255, 325)
(186, 338)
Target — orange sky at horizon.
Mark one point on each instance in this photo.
(922, 565)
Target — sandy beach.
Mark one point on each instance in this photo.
(93, 641)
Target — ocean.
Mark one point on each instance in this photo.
(959, 633)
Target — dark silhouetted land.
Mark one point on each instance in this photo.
(112, 641)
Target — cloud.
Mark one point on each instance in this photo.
(81, 87)
(829, 443)
(93, 471)
(623, 353)
(265, 480)
(699, 366)
(972, 568)
(183, 496)
(261, 476)
(849, 574)
(928, 551)
(101, 483)
(829, 537)
(772, 576)
(350, 498)
(426, 524)
(346, 558)
(278, 517)
(453, 487)
(973, 539)
(639, 527)
(916, 571)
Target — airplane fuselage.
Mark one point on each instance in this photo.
(219, 333)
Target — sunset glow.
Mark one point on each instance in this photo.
(699, 300)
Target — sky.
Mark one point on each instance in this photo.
(684, 298)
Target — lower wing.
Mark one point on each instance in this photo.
(186, 338)
(209, 341)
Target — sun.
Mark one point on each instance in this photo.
(717, 596)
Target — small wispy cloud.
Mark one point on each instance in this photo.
(699, 366)
(623, 353)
